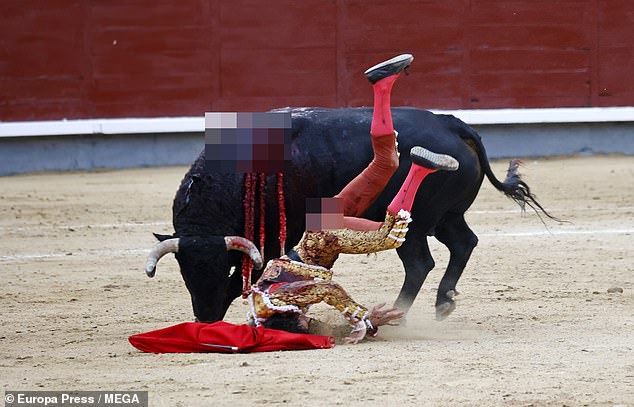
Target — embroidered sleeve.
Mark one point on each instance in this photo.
(389, 236)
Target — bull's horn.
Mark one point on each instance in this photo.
(245, 246)
(158, 251)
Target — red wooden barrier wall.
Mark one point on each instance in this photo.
(147, 58)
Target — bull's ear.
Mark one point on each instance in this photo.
(160, 238)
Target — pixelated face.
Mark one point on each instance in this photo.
(247, 142)
(324, 214)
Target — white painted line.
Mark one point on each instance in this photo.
(515, 211)
(558, 233)
(128, 225)
(90, 254)
(103, 253)
(197, 124)
(115, 225)
(554, 210)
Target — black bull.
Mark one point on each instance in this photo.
(329, 148)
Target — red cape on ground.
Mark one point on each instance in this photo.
(224, 337)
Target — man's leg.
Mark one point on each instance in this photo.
(424, 162)
(390, 234)
(359, 194)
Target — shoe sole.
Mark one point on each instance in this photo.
(428, 159)
(399, 58)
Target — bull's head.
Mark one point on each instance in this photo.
(171, 246)
(205, 265)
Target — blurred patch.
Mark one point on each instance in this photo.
(247, 142)
(324, 213)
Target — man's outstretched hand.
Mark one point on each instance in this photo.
(385, 316)
(378, 316)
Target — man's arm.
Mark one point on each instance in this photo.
(390, 235)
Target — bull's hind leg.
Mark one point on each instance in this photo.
(454, 233)
(418, 262)
(415, 255)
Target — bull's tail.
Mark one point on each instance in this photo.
(513, 186)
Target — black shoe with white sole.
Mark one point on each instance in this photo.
(388, 68)
(433, 161)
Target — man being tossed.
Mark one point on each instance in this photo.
(290, 284)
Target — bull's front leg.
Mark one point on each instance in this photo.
(454, 233)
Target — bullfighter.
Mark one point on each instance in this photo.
(303, 277)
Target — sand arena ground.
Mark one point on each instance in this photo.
(535, 324)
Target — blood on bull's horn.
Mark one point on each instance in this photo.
(172, 245)
(245, 246)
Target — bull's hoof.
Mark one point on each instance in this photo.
(452, 293)
(388, 68)
(444, 310)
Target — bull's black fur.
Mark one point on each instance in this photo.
(329, 148)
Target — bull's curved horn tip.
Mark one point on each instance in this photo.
(150, 271)
(159, 250)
